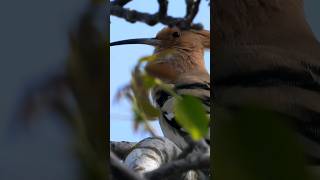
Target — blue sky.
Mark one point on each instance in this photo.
(123, 58)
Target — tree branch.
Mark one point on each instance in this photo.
(158, 157)
(163, 8)
(120, 171)
(133, 16)
(120, 2)
(192, 10)
(121, 149)
(193, 161)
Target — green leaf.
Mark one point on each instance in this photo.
(191, 115)
(155, 56)
(141, 84)
(148, 58)
(148, 81)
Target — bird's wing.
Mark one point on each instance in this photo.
(165, 101)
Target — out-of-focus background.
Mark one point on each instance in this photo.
(123, 59)
(34, 46)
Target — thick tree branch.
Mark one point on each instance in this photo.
(193, 161)
(121, 149)
(151, 153)
(120, 171)
(158, 157)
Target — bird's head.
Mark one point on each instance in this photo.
(188, 40)
(184, 51)
(174, 38)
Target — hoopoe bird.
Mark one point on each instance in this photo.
(183, 68)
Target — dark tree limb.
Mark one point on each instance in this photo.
(192, 10)
(189, 4)
(161, 16)
(163, 8)
(120, 2)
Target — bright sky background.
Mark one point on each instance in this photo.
(123, 58)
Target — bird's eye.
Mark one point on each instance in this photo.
(176, 34)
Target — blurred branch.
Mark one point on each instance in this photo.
(161, 16)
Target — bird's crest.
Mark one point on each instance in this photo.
(174, 37)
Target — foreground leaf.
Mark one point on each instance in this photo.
(190, 114)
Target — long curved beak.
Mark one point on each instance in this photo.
(148, 41)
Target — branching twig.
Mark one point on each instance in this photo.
(133, 16)
(163, 8)
(192, 11)
(189, 4)
(120, 2)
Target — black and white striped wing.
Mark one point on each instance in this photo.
(171, 129)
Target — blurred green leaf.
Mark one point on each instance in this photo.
(148, 81)
(190, 114)
(141, 85)
(148, 58)
(155, 56)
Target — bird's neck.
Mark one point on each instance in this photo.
(187, 61)
(174, 66)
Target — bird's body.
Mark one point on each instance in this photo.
(188, 76)
(180, 64)
(171, 129)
